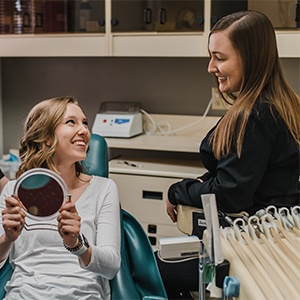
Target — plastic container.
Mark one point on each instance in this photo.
(85, 14)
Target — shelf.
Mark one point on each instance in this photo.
(125, 45)
(59, 45)
(160, 44)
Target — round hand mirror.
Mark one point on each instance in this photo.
(42, 192)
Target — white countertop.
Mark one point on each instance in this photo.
(187, 140)
(157, 169)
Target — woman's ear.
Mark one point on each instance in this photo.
(49, 142)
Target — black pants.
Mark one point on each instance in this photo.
(179, 278)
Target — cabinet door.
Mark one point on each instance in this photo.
(69, 16)
(49, 16)
(144, 197)
(176, 16)
(15, 17)
(132, 16)
(85, 16)
(221, 8)
(284, 14)
(52, 16)
(161, 16)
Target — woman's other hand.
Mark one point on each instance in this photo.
(13, 218)
(69, 224)
(171, 210)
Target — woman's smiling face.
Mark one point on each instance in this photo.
(73, 136)
(225, 62)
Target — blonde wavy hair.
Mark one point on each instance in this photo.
(39, 128)
(252, 35)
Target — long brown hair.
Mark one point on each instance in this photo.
(252, 35)
(39, 128)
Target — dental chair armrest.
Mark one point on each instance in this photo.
(5, 274)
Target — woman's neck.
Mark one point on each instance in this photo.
(69, 176)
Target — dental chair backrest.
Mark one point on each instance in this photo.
(138, 277)
(96, 162)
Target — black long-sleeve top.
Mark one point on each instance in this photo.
(1, 174)
(267, 172)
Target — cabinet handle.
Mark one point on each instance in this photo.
(38, 20)
(200, 20)
(297, 14)
(162, 16)
(101, 22)
(26, 20)
(152, 195)
(147, 16)
(114, 22)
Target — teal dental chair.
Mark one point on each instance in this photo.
(138, 277)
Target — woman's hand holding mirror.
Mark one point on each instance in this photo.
(69, 223)
(13, 218)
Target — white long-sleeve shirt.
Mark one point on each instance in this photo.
(44, 269)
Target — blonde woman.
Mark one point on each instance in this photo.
(252, 154)
(77, 260)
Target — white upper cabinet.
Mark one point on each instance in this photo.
(160, 28)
